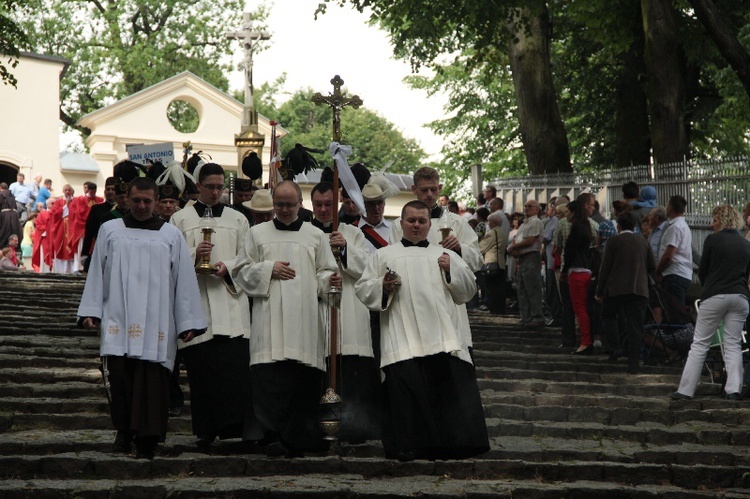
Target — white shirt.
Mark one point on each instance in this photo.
(383, 229)
(677, 234)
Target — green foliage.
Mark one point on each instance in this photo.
(12, 41)
(120, 47)
(374, 140)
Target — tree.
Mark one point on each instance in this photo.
(375, 141)
(12, 41)
(120, 47)
(424, 30)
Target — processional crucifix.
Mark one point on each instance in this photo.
(329, 423)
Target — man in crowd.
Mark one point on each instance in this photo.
(360, 374)
(45, 192)
(287, 267)
(9, 223)
(140, 260)
(60, 225)
(22, 192)
(675, 267)
(261, 207)
(243, 192)
(552, 291)
(218, 361)
(443, 200)
(432, 405)
(489, 193)
(526, 247)
(169, 201)
(658, 220)
(80, 210)
(623, 288)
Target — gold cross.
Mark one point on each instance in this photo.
(337, 102)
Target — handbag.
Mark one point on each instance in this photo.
(492, 269)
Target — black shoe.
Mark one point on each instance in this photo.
(554, 323)
(615, 355)
(733, 396)
(276, 449)
(205, 440)
(123, 442)
(407, 456)
(586, 351)
(679, 396)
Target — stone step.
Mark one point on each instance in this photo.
(37, 444)
(344, 486)
(67, 344)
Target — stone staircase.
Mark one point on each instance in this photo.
(560, 426)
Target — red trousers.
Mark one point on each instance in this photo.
(578, 283)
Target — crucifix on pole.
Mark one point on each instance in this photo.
(329, 421)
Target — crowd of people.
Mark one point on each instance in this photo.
(248, 312)
(50, 228)
(613, 277)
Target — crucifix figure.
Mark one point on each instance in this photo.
(337, 102)
(249, 39)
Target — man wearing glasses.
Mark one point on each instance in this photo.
(286, 268)
(218, 361)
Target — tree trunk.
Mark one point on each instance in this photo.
(632, 134)
(720, 32)
(544, 138)
(666, 82)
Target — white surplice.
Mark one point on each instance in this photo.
(142, 286)
(354, 327)
(227, 308)
(286, 323)
(469, 252)
(420, 317)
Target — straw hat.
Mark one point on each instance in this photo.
(262, 202)
(379, 188)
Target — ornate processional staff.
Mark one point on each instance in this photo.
(337, 101)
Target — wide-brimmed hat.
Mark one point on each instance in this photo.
(262, 202)
(379, 188)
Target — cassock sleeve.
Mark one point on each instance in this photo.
(92, 301)
(469, 244)
(188, 307)
(369, 288)
(250, 273)
(463, 285)
(356, 254)
(325, 264)
(242, 241)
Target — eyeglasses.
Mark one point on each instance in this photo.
(213, 187)
(285, 206)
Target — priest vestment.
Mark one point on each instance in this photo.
(287, 347)
(60, 224)
(218, 362)
(142, 287)
(80, 209)
(359, 373)
(432, 405)
(41, 255)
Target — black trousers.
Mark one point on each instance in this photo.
(631, 309)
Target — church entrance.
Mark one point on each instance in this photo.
(8, 172)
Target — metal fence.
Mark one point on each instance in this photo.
(704, 184)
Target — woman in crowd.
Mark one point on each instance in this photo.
(27, 243)
(723, 271)
(577, 269)
(493, 246)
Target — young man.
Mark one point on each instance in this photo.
(218, 363)
(432, 405)
(142, 294)
(675, 267)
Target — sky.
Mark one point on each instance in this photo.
(341, 42)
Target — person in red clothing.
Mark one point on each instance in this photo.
(79, 213)
(59, 224)
(41, 254)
